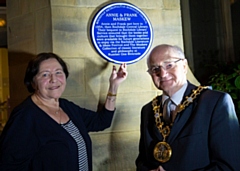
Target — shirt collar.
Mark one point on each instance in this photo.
(176, 97)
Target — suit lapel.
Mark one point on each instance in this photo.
(183, 116)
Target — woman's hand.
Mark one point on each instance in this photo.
(117, 77)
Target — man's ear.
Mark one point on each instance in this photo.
(185, 65)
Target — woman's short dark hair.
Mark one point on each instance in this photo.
(33, 68)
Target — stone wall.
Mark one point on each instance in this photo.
(63, 26)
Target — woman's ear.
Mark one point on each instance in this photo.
(34, 86)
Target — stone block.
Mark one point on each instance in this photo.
(70, 31)
(171, 4)
(75, 82)
(160, 38)
(128, 108)
(115, 151)
(27, 6)
(167, 22)
(13, 9)
(150, 4)
(42, 4)
(43, 30)
(21, 29)
(79, 3)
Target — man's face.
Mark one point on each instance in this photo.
(167, 69)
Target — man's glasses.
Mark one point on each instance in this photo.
(166, 66)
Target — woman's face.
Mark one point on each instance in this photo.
(50, 81)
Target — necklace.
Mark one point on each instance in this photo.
(56, 115)
(58, 112)
(162, 151)
(50, 110)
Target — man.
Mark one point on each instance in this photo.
(197, 130)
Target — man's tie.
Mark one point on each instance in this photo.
(167, 110)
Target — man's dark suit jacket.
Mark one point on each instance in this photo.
(205, 136)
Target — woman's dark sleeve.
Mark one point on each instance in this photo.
(93, 121)
(17, 142)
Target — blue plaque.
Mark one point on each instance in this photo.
(121, 33)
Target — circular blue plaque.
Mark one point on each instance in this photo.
(121, 33)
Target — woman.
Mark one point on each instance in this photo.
(48, 133)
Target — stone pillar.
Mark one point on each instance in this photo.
(29, 32)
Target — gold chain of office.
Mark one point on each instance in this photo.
(162, 151)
